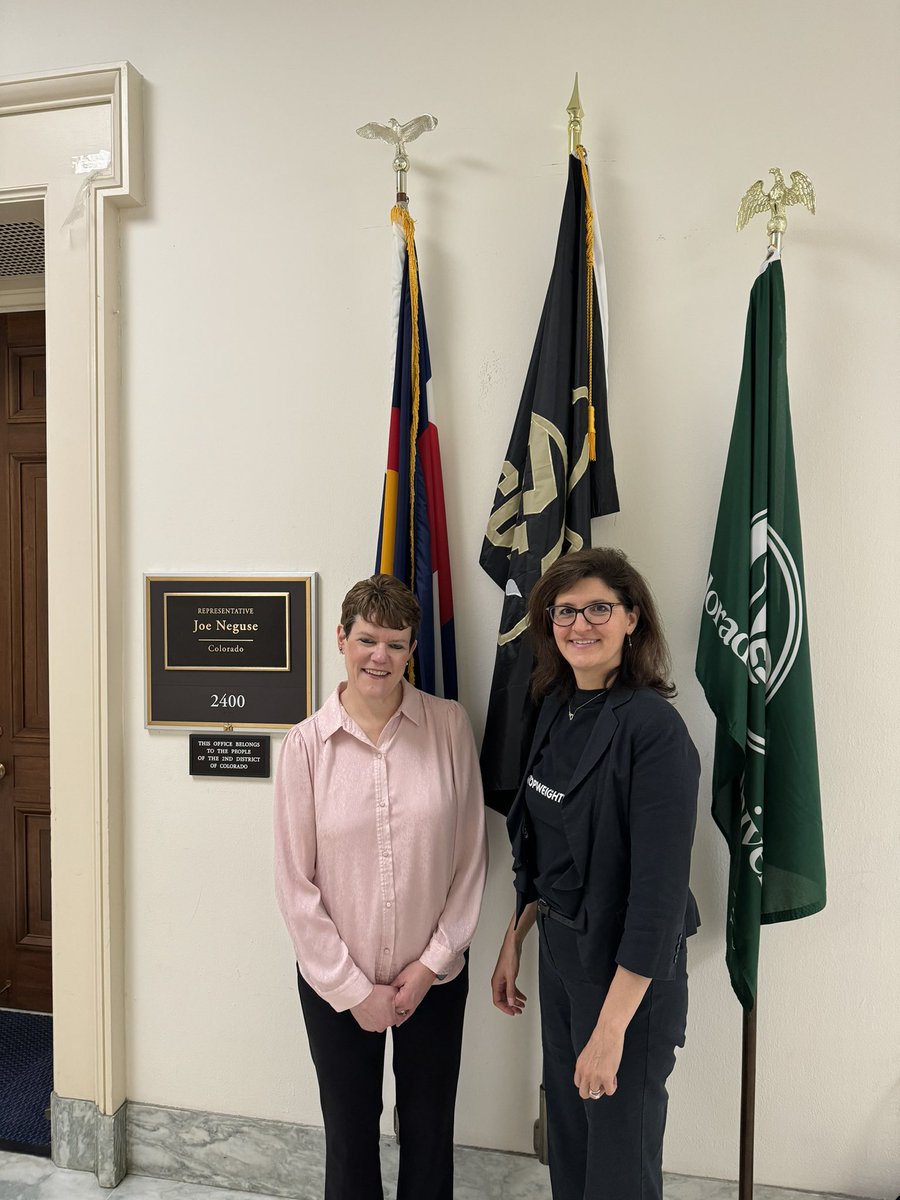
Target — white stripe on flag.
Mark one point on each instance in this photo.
(772, 255)
(600, 275)
(398, 262)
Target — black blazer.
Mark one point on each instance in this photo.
(629, 817)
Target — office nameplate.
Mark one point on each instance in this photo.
(237, 652)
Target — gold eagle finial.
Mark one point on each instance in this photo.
(776, 200)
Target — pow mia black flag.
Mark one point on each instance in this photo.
(551, 484)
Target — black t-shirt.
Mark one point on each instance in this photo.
(547, 784)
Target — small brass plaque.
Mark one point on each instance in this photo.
(228, 756)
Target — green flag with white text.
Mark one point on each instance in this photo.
(753, 658)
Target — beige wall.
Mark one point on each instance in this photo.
(254, 425)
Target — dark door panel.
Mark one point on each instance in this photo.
(25, 926)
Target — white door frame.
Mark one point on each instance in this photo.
(46, 122)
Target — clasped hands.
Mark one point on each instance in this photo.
(390, 1004)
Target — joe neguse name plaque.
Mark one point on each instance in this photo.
(229, 651)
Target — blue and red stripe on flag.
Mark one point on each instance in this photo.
(412, 535)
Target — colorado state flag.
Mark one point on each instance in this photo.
(412, 537)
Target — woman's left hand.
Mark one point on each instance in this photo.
(598, 1062)
(412, 984)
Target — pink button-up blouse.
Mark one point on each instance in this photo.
(380, 852)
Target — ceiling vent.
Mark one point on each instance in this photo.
(21, 249)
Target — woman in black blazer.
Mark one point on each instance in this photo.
(601, 832)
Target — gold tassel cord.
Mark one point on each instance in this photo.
(402, 218)
(589, 256)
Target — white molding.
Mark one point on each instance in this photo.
(82, 290)
(115, 84)
(22, 300)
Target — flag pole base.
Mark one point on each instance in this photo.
(748, 1105)
(541, 1146)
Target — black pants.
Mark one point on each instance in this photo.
(611, 1148)
(350, 1064)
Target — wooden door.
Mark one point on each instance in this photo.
(25, 977)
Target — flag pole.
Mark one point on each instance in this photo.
(401, 166)
(748, 1103)
(576, 113)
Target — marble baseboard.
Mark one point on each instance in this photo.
(241, 1153)
(73, 1133)
(84, 1139)
(111, 1148)
(280, 1159)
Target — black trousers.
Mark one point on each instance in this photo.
(611, 1148)
(350, 1064)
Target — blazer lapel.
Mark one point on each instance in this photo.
(549, 709)
(578, 818)
(514, 821)
(604, 727)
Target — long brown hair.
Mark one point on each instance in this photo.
(645, 657)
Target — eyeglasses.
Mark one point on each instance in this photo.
(597, 613)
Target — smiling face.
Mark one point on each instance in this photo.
(376, 659)
(593, 651)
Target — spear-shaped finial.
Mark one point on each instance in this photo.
(576, 112)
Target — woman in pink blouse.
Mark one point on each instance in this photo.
(380, 861)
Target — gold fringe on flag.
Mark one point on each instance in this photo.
(401, 217)
(589, 255)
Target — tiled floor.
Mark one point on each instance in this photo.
(480, 1175)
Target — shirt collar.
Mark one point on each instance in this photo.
(412, 705)
(332, 716)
